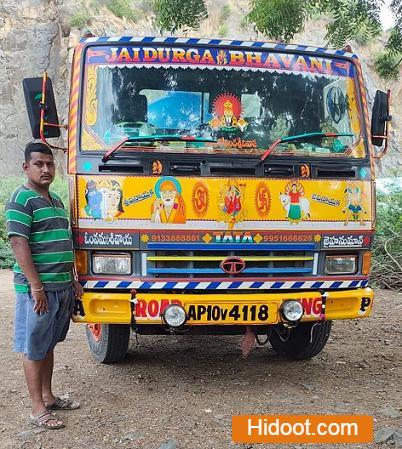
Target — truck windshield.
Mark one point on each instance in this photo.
(239, 109)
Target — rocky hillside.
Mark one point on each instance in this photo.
(36, 35)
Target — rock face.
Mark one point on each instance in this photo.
(36, 34)
(30, 36)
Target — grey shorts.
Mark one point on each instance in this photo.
(37, 334)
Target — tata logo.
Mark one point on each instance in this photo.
(233, 265)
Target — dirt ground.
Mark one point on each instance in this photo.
(181, 392)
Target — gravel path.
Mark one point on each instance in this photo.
(180, 392)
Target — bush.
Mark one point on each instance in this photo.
(223, 30)
(122, 9)
(59, 186)
(224, 13)
(79, 19)
(387, 253)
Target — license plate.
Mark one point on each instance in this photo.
(231, 313)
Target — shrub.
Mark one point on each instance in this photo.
(122, 9)
(79, 19)
(224, 13)
(223, 30)
(387, 253)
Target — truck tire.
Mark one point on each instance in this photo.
(295, 343)
(108, 342)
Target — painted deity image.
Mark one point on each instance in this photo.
(353, 208)
(169, 206)
(221, 57)
(295, 206)
(104, 199)
(231, 203)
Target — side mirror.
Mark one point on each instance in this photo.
(379, 120)
(33, 98)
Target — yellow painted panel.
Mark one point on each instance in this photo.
(222, 308)
(233, 201)
(99, 307)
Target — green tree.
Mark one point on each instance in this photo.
(173, 15)
(282, 19)
(387, 64)
(278, 19)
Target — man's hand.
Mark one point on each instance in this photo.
(22, 253)
(41, 304)
(78, 290)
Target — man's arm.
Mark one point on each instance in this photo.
(23, 255)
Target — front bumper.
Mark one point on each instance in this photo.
(221, 309)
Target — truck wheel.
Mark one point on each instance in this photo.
(302, 342)
(108, 342)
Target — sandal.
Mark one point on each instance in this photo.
(63, 404)
(43, 421)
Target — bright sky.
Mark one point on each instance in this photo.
(386, 16)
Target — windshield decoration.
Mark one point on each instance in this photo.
(169, 205)
(296, 207)
(215, 100)
(91, 105)
(227, 111)
(336, 104)
(217, 57)
(104, 199)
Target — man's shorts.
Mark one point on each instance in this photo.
(37, 334)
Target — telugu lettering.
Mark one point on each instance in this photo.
(108, 239)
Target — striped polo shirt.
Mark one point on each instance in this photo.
(46, 227)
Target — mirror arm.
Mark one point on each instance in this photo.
(42, 123)
(65, 127)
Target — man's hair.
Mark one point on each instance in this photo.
(36, 147)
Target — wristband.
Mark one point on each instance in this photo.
(37, 289)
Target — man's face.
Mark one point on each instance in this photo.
(40, 169)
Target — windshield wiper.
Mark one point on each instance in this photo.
(302, 136)
(156, 138)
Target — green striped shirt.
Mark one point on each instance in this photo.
(46, 227)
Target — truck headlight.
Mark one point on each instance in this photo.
(111, 263)
(291, 310)
(340, 264)
(174, 315)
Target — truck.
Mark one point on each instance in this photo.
(217, 187)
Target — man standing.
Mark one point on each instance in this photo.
(40, 237)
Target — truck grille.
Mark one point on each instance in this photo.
(199, 264)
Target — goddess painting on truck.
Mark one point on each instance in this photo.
(220, 187)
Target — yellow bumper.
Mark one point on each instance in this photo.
(220, 309)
